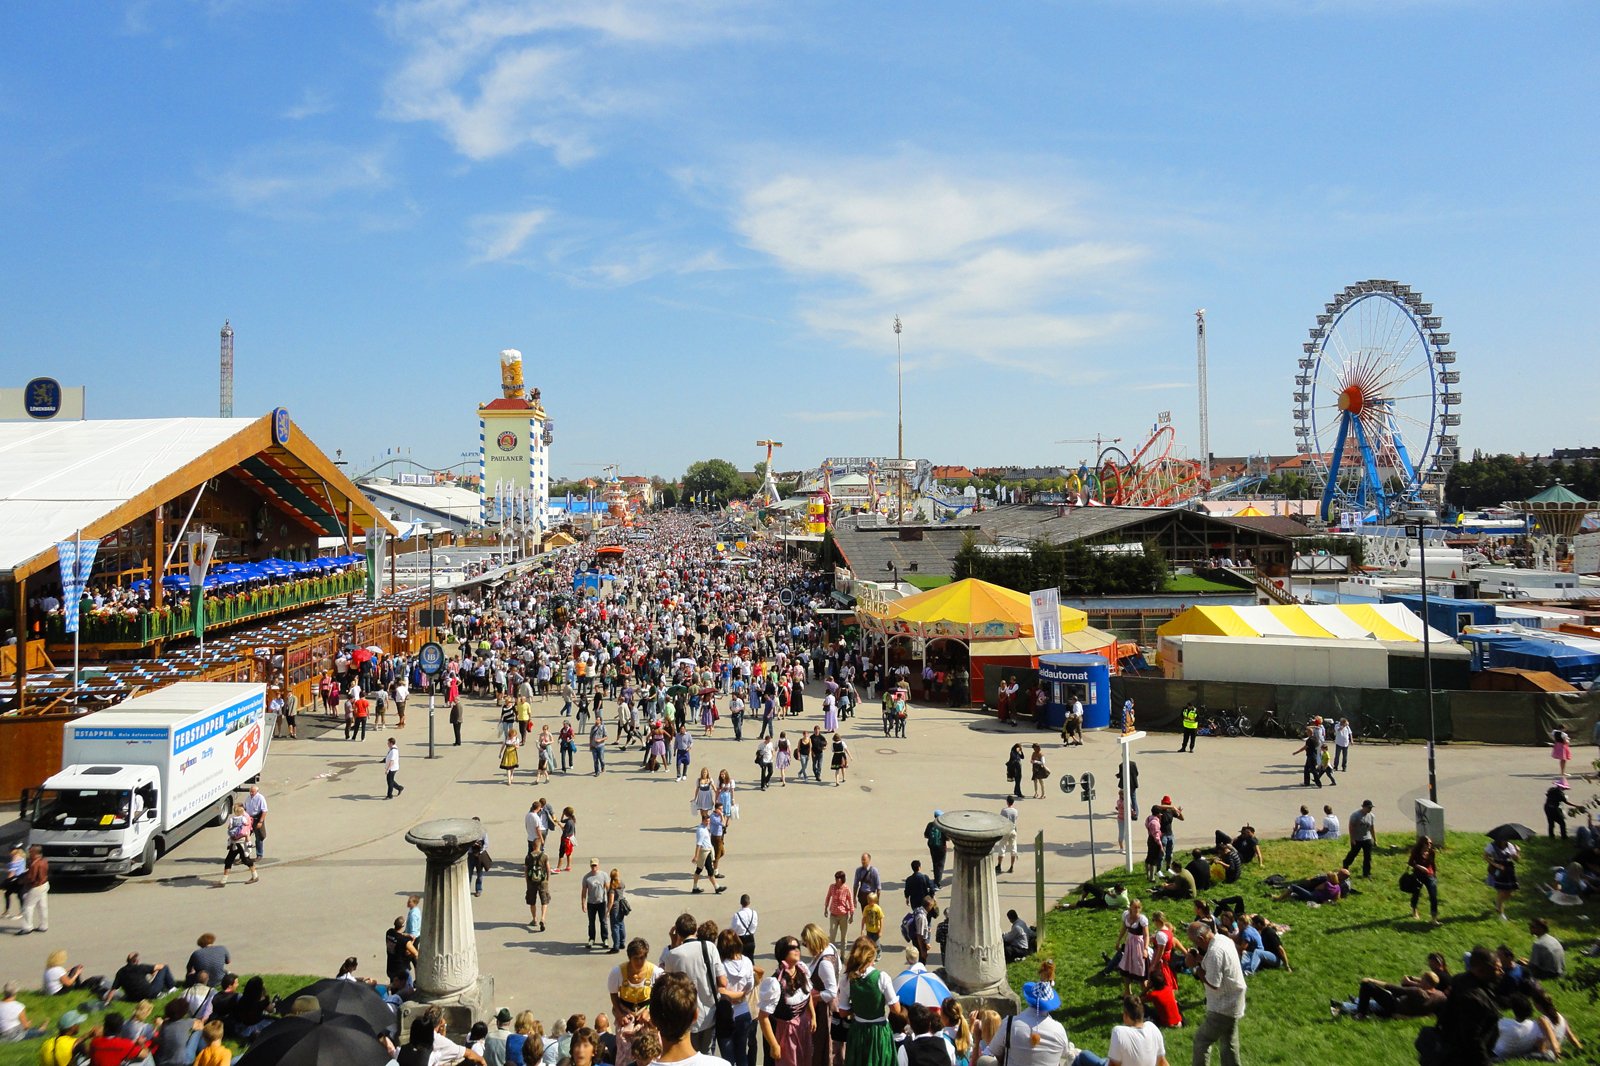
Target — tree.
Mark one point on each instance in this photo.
(718, 477)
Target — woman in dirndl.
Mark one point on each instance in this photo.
(783, 1003)
(510, 740)
(865, 1000)
(1135, 945)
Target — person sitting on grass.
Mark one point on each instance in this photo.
(1227, 857)
(1248, 845)
(1318, 889)
(110, 1045)
(1092, 897)
(1379, 999)
(1181, 885)
(178, 1040)
(58, 1050)
(1162, 999)
(1272, 941)
(1558, 1025)
(1524, 1035)
(140, 980)
(14, 1024)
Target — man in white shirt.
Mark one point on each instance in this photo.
(744, 923)
(391, 766)
(698, 961)
(1008, 844)
(1016, 939)
(1215, 960)
(533, 824)
(1072, 725)
(255, 805)
(1136, 1042)
(704, 857)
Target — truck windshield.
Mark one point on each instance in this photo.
(71, 808)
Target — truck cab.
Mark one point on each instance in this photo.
(99, 820)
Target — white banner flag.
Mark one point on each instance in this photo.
(201, 546)
(1046, 619)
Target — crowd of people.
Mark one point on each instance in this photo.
(687, 647)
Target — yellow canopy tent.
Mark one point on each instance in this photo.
(1086, 641)
(1250, 512)
(1325, 621)
(968, 610)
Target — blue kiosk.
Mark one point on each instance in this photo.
(1084, 677)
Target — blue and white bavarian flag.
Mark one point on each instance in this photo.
(77, 560)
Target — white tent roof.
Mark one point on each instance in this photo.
(452, 501)
(57, 477)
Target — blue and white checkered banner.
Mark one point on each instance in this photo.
(77, 560)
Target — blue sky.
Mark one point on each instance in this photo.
(698, 219)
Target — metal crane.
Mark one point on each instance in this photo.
(1098, 441)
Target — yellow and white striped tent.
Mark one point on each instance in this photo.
(1349, 621)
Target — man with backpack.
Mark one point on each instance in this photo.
(938, 847)
(917, 926)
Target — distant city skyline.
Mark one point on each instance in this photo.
(698, 219)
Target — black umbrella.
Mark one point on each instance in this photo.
(350, 997)
(343, 1040)
(1511, 831)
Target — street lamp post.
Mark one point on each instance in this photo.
(1422, 518)
(433, 682)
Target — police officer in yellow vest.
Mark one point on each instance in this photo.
(1191, 726)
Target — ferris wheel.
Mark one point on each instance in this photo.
(1377, 400)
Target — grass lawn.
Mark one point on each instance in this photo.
(1331, 948)
(926, 581)
(1193, 583)
(44, 1010)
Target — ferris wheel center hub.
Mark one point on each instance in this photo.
(1352, 400)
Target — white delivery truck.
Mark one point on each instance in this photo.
(142, 776)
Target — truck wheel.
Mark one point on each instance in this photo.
(147, 861)
(224, 810)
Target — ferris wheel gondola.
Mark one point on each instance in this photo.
(1377, 401)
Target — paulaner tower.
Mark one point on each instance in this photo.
(514, 436)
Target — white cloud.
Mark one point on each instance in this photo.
(499, 237)
(296, 176)
(497, 75)
(1010, 271)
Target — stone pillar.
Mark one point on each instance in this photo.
(974, 958)
(447, 951)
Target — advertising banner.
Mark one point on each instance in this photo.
(1046, 618)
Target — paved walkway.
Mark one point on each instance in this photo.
(338, 867)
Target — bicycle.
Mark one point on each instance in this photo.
(1270, 726)
(1241, 723)
(1390, 730)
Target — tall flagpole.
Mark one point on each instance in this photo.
(900, 429)
(77, 630)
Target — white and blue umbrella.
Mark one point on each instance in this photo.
(920, 985)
